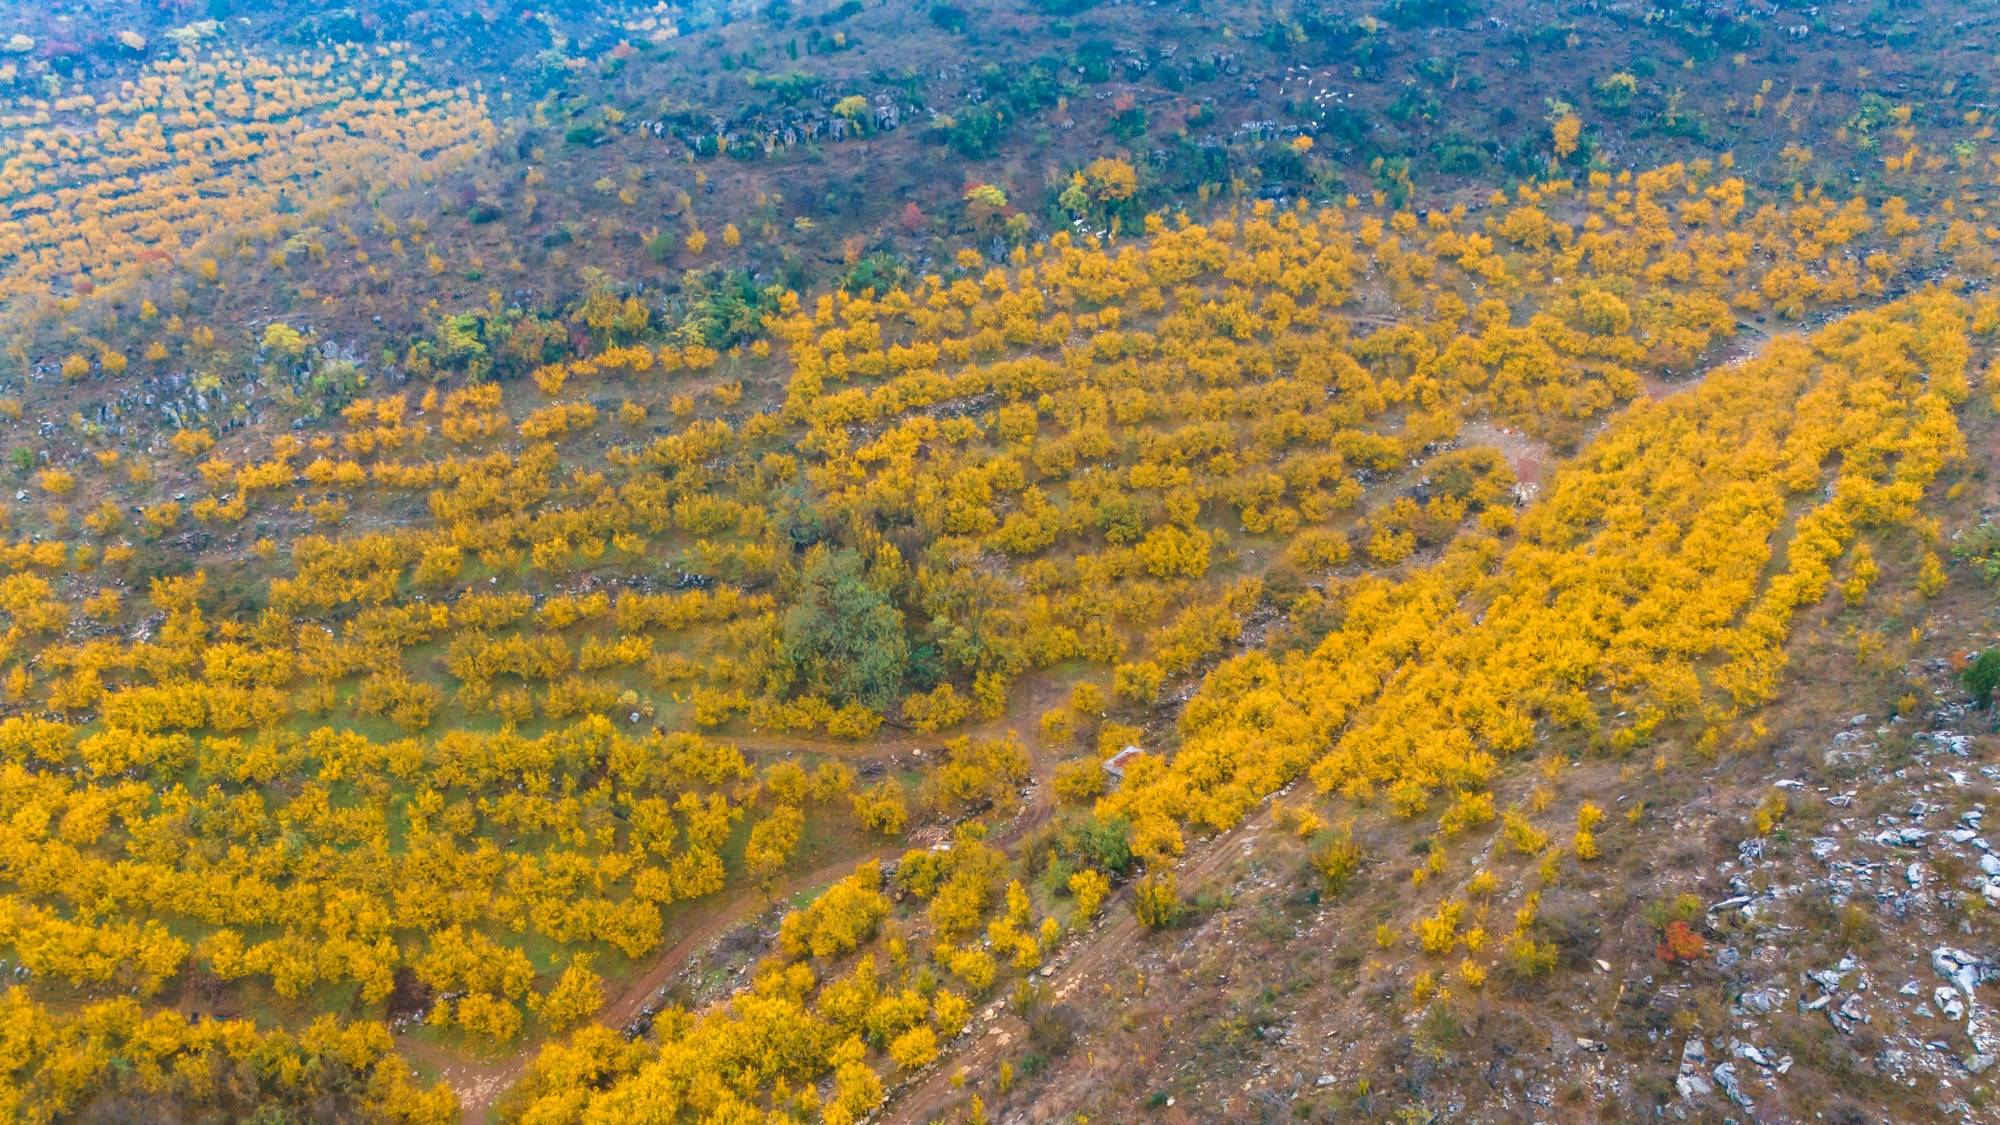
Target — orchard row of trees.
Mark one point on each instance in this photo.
(95, 189)
(1098, 425)
(116, 1052)
(294, 861)
(411, 740)
(1628, 603)
(1642, 602)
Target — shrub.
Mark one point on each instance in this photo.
(1439, 932)
(1052, 1030)
(948, 17)
(1336, 856)
(1089, 888)
(1079, 781)
(1982, 676)
(1528, 958)
(1679, 943)
(1980, 547)
(915, 1048)
(1157, 901)
(1104, 844)
(1684, 907)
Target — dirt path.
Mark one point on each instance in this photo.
(1025, 704)
(736, 909)
(480, 1082)
(885, 746)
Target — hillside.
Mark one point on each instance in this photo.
(933, 562)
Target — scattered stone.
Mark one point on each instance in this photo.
(1948, 741)
(1946, 999)
(1962, 969)
(1762, 1001)
(1692, 1083)
(1725, 1077)
(1747, 1051)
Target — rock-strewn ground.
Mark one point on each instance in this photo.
(1849, 970)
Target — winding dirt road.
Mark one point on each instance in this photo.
(480, 1083)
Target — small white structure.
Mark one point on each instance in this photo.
(1116, 763)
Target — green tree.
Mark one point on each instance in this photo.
(843, 638)
(1983, 676)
